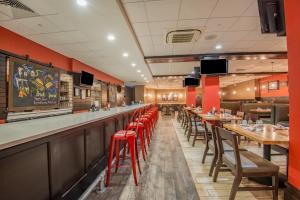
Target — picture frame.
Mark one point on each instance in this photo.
(273, 85)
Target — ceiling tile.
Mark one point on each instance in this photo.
(252, 11)
(165, 49)
(42, 7)
(191, 23)
(145, 40)
(244, 44)
(63, 22)
(148, 50)
(219, 24)
(191, 9)
(161, 28)
(233, 36)
(181, 49)
(39, 24)
(158, 39)
(141, 29)
(136, 12)
(246, 24)
(162, 10)
(231, 8)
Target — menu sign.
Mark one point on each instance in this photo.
(32, 85)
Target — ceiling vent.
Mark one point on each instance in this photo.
(16, 4)
(183, 36)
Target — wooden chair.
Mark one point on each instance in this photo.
(198, 128)
(228, 111)
(246, 164)
(210, 144)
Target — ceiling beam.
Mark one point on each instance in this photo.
(229, 56)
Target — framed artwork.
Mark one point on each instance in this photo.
(273, 85)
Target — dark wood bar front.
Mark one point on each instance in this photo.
(56, 163)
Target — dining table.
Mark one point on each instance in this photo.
(219, 117)
(265, 134)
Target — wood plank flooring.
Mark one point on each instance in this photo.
(165, 174)
(207, 189)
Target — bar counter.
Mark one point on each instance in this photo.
(56, 157)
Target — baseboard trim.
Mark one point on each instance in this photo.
(291, 193)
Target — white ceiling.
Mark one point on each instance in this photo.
(235, 23)
(234, 66)
(80, 32)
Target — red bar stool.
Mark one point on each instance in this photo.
(129, 136)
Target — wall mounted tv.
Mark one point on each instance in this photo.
(86, 78)
(213, 67)
(190, 81)
(272, 17)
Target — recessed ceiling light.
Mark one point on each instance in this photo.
(142, 75)
(111, 37)
(218, 46)
(133, 64)
(125, 54)
(82, 2)
(139, 71)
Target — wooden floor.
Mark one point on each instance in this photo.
(207, 189)
(165, 175)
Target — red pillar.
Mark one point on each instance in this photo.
(191, 96)
(210, 93)
(292, 18)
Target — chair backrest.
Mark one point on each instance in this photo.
(240, 114)
(252, 116)
(210, 130)
(228, 111)
(136, 115)
(231, 139)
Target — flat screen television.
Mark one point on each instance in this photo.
(86, 78)
(189, 81)
(213, 67)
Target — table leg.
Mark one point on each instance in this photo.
(267, 152)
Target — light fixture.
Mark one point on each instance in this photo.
(263, 87)
(111, 37)
(138, 71)
(218, 46)
(219, 92)
(255, 88)
(142, 75)
(263, 57)
(82, 2)
(248, 89)
(223, 93)
(234, 92)
(125, 54)
(133, 64)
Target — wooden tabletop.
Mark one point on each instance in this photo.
(267, 136)
(219, 117)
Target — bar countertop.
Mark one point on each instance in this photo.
(16, 133)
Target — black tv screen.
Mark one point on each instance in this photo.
(213, 67)
(191, 82)
(86, 78)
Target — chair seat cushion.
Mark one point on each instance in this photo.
(251, 163)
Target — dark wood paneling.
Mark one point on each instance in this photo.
(3, 87)
(110, 129)
(67, 161)
(95, 146)
(24, 175)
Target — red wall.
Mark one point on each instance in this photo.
(191, 96)
(282, 92)
(210, 93)
(14, 43)
(293, 45)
